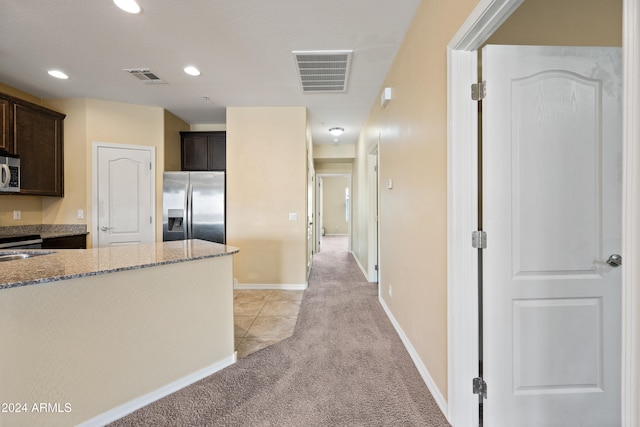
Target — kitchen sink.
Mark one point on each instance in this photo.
(13, 256)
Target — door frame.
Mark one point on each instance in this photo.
(373, 223)
(94, 185)
(462, 207)
(319, 194)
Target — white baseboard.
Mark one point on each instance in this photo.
(269, 286)
(424, 373)
(135, 404)
(364, 271)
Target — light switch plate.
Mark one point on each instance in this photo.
(80, 214)
(293, 216)
(17, 214)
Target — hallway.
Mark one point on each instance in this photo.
(343, 365)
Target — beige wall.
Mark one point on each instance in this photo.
(88, 121)
(56, 210)
(173, 125)
(412, 152)
(208, 127)
(120, 123)
(563, 22)
(334, 152)
(101, 341)
(92, 120)
(412, 131)
(334, 167)
(267, 180)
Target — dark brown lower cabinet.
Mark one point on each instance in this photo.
(78, 241)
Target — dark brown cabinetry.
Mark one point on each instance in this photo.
(203, 151)
(35, 134)
(38, 141)
(5, 142)
(78, 241)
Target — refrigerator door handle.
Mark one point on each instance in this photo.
(188, 210)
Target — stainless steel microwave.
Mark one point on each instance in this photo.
(9, 174)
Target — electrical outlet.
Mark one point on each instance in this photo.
(17, 214)
(390, 290)
(80, 214)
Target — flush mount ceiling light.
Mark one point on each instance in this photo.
(336, 131)
(191, 70)
(58, 74)
(129, 6)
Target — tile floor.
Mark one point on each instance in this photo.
(263, 317)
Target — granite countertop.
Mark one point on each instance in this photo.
(46, 231)
(53, 265)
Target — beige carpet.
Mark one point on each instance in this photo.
(344, 366)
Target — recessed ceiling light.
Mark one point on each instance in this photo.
(192, 71)
(129, 6)
(58, 74)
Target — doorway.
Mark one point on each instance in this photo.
(551, 208)
(373, 232)
(463, 343)
(123, 194)
(333, 207)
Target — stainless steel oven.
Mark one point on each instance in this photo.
(29, 241)
(9, 174)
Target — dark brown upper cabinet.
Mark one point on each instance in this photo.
(35, 134)
(6, 144)
(203, 151)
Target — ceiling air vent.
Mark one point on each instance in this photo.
(146, 75)
(323, 71)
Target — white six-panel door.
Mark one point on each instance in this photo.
(552, 212)
(124, 199)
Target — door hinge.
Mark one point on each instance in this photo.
(375, 168)
(479, 239)
(478, 91)
(376, 267)
(150, 166)
(150, 220)
(480, 387)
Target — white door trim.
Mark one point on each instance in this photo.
(462, 203)
(94, 184)
(318, 203)
(373, 225)
(631, 214)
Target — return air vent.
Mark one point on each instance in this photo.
(146, 75)
(323, 71)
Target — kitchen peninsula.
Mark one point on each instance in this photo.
(91, 335)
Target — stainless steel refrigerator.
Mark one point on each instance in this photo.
(193, 206)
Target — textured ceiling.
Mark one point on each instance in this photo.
(242, 47)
